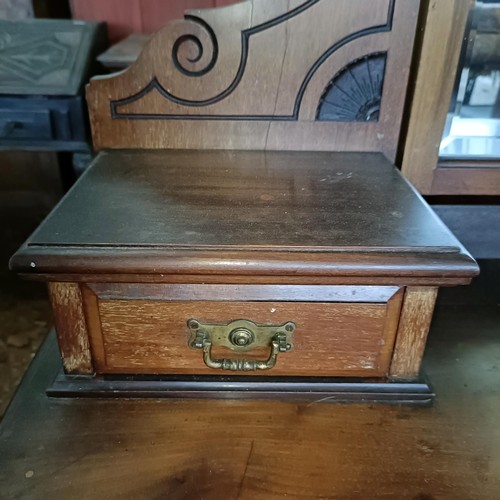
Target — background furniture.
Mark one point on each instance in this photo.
(43, 68)
(16, 9)
(122, 54)
(444, 31)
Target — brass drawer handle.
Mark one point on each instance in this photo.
(241, 336)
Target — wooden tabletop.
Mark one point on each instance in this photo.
(226, 449)
(230, 212)
(241, 199)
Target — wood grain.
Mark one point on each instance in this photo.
(203, 292)
(266, 450)
(71, 327)
(271, 103)
(331, 339)
(442, 41)
(416, 315)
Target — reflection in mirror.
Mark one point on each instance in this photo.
(472, 130)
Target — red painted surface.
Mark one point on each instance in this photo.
(137, 16)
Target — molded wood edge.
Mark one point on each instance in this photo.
(34, 261)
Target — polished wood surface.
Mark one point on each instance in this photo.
(254, 76)
(244, 213)
(252, 200)
(185, 449)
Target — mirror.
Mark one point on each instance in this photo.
(472, 130)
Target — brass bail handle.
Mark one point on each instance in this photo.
(241, 335)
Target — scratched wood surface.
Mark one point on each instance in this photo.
(66, 301)
(219, 449)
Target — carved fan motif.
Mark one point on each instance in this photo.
(355, 93)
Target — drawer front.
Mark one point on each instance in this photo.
(339, 330)
(58, 123)
(21, 124)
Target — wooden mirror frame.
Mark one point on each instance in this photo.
(443, 27)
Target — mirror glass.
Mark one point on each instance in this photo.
(472, 129)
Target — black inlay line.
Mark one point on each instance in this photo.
(199, 45)
(245, 35)
(130, 116)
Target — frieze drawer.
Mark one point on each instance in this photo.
(337, 330)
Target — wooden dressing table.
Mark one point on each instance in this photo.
(244, 232)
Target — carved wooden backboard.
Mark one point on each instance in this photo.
(278, 75)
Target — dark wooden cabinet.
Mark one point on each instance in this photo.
(44, 66)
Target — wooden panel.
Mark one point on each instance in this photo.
(71, 327)
(441, 45)
(465, 181)
(253, 75)
(331, 339)
(416, 316)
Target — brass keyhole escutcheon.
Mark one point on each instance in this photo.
(241, 337)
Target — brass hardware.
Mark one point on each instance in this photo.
(241, 336)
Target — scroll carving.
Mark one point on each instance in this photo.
(255, 71)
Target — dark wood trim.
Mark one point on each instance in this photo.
(443, 267)
(268, 280)
(199, 387)
(466, 181)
